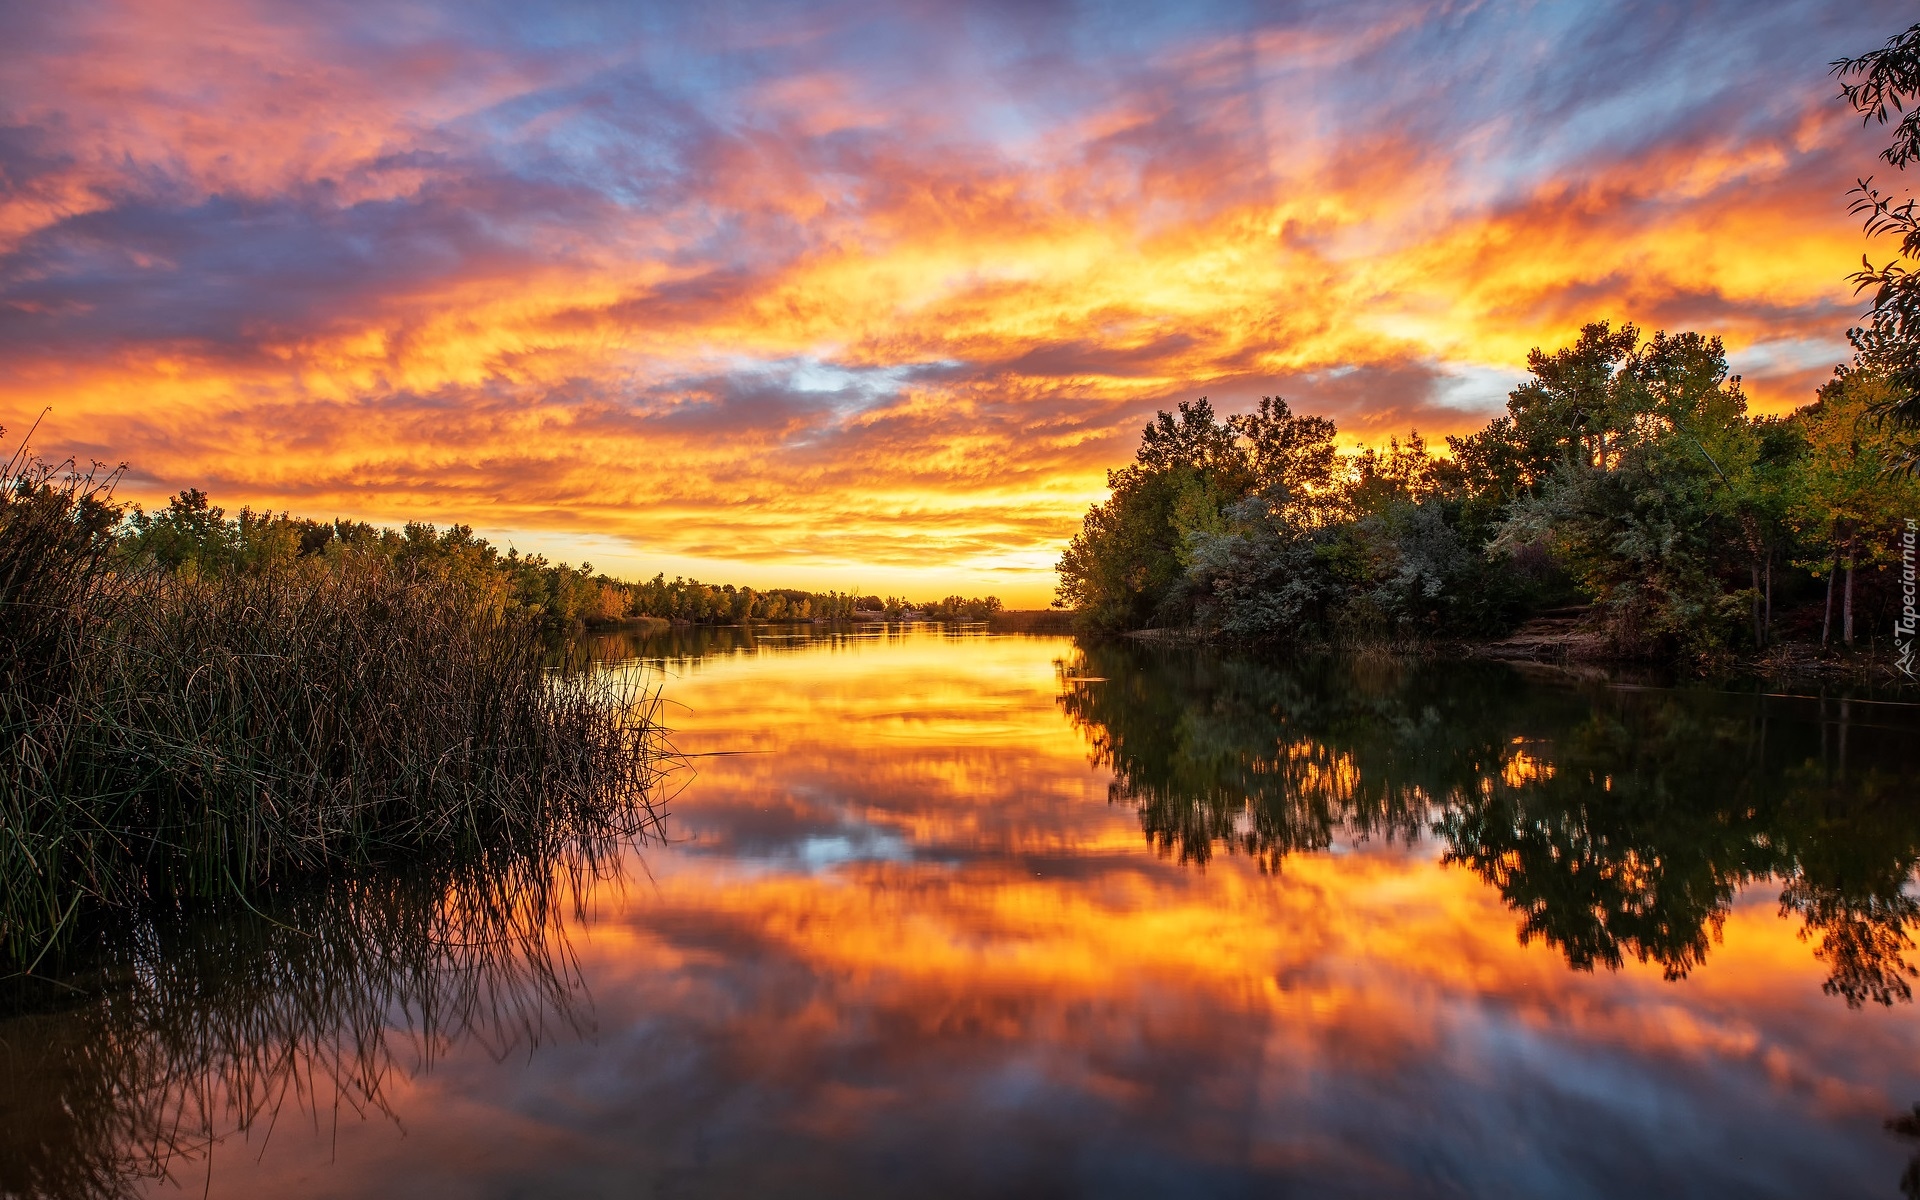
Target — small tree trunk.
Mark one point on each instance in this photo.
(1846, 621)
(1826, 621)
(1769, 620)
(1759, 626)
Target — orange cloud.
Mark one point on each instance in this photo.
(750, 304)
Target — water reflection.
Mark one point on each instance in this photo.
(1616, 821)
(899, 941)
(178, 1031)
(685, 645)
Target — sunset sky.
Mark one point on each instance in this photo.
(870, 294)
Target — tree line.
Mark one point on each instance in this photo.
(191, 535)
(1627, 473)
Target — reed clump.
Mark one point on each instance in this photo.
(168, 735)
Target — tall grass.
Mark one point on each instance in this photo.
(166, 736)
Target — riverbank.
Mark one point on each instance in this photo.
(184, 736)
(1561, 639)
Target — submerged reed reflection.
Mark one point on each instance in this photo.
(180, 1030)
(1617, 822)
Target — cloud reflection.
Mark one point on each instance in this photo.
(994, 987)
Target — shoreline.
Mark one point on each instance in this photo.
(1585, 653)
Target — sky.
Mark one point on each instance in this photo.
(871, 295)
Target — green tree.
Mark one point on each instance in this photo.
(1127, 566)
(1849, 503)
(1580, 403)
(1645, 496)
(1293, 458)
(191, 533)
(1575, 407)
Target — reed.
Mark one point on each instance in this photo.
(167, 736)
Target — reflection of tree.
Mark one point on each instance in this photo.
(1907, 1125)
(1863, 939)
(1633, 843)
(681, 646)
(181, 1030)
(1264, 760)
(1618, 823)
(676, 643)
(1853, 850)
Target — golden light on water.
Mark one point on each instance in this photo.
(900, 908)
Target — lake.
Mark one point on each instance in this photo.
(949, 913)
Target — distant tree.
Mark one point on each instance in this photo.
(191, 533)
(962, 608)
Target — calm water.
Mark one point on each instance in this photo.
(970, 915)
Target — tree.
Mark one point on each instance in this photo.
(1573, 407)
(1579, 404)
(1293, 457)
(1125, 567)
(1764, 501)
(1265, 577)
(190, 533)
(1848, 506)
(1655, 462)
(1877, 85)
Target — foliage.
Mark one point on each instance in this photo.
(195, 733)
(1644, 498)
(1877, 85)
(1626, 472)
(964, 608)
(1123, 568)
(1256, 529)
(194, 537)
(1848, 498)
(1847, 487)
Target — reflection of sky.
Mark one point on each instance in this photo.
(914, 950)
(846, 292)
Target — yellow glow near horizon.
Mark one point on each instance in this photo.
(853, 330)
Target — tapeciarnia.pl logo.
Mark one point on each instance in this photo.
(1903, 626)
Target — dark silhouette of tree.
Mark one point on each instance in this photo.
(1878, 85)
(1125, 567)
(1907, 1125)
